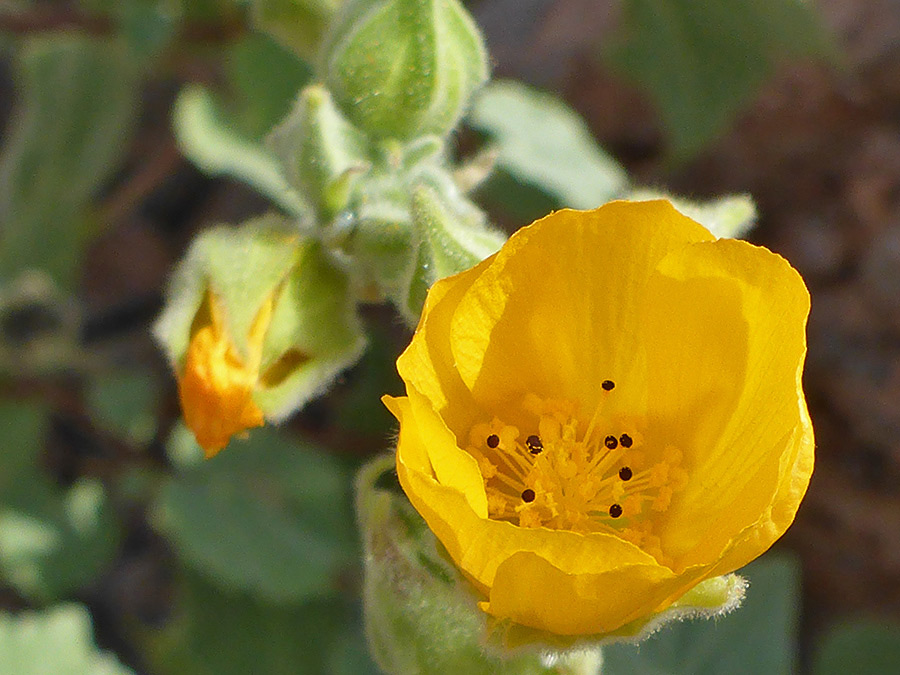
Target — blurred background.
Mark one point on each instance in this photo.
(249, 563)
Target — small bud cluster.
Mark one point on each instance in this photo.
(365, 146)
(262, 318)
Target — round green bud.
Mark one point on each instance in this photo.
(403, 69)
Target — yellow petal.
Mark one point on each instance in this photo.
(427, 364)
(216, 387)
(725, 340)
(558, 309)
(795, 471)
(452, 467)
(529, 590)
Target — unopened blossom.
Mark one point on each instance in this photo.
(258, 320)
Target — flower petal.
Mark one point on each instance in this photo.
(216, 386)
(216, 393)
(557, 310)
(529, 590)
(452, 467)
(427, 363)
(795, 472)
(725, 347)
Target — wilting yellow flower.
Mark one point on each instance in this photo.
(216, 387)
(258, 320)
(606, 413)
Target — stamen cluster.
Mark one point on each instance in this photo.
(602, 476)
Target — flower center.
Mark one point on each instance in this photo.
(563, 474)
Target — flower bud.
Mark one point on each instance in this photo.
(258, 321)
(404, 68)
(322, 153)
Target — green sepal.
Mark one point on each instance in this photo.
(321, 151)
(421, 615)
(423, 150)
(404, 68)
(315, 333)
(453, 229)
(383, 246)
(411, 299)
(297, 24)
(241, 266)
(375, 233)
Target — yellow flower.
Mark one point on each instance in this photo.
(606, 413)
(216, 387)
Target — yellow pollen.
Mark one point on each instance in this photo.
(579, 479)
(663, 499)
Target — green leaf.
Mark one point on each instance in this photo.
(543, 142)
(863, 648)
(52, 541)
(75, 113)
(57, 640)
(23, 427)
(123, 402)
(759, 637)
(147, 25)
(212, 632)
(265, 516)
(265, 79)
(298, 24)
(701, 60)
(218, 149)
